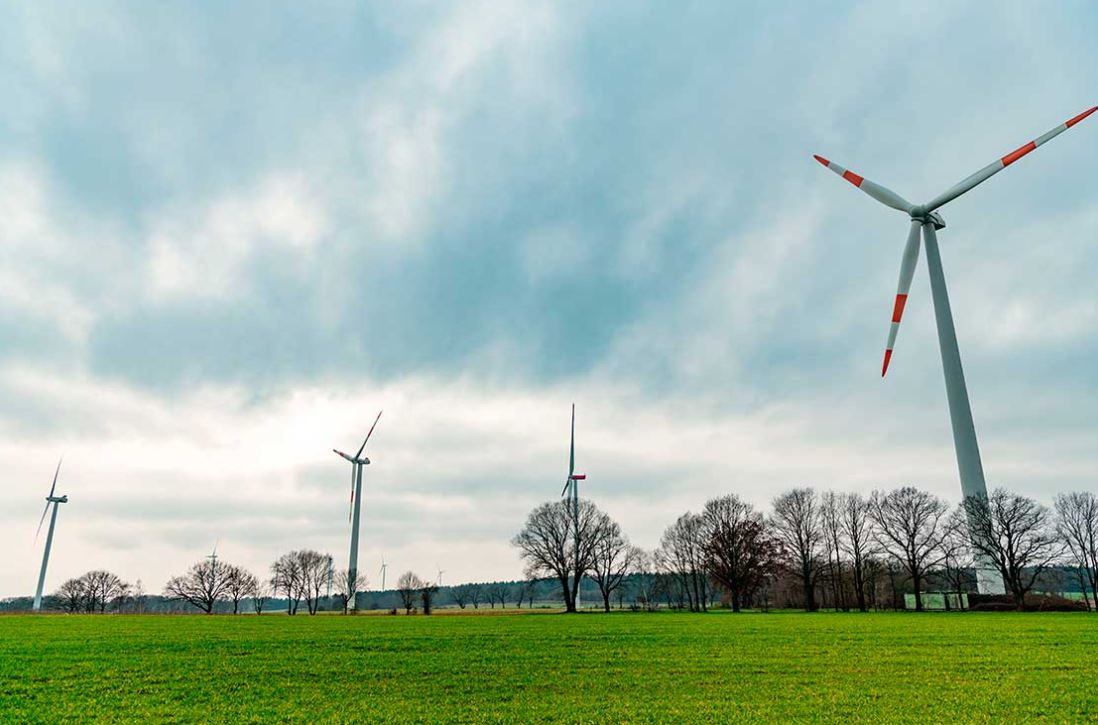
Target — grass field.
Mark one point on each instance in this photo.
(621, 667)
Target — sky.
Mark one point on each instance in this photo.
(230, 235)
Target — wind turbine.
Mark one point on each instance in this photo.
(925, 218)
(438, 582)
(213, 556)
(382, 570)
(55, 500)
(571, 486)
(357, 462)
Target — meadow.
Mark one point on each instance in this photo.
(621, 667)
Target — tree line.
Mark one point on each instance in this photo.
(848, 550)
(808, 550)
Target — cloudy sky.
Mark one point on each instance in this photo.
(228, 237)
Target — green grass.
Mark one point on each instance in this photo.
(930, 668)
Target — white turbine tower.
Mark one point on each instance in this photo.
(925, 218)
(55, 500)
(571, 486)
(382, 571)
(357, 462)
(438, 582)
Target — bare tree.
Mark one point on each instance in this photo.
(140, 599)
(498, 592)
(70, 595)
(547, 543)
(408, 587)
(740, 554)
(313, 567)
(427, 594)
(1077, 525)
(203, 586)
(957, 559)
(857, 539)
(525, 591)
(796, 523)
(103, 589)
(831, 524)
(909, 529)
(476, 593)
(645, 589)
(1016, 534)
(241, 583)
(287, 577)
(613, 557)
(460, 595)
(681, 555)
(260, 593)
(346, 588)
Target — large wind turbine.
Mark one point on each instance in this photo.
(357, 462)
(55, 500)
(571, 488)
(925, 218)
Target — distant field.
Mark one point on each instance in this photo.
(622, 667)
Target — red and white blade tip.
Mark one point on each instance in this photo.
(1080, 117)
(845, 173)
(884, 367)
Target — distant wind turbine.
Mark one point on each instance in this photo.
(213, 556)
(381, 571)
(925, 218)
(440, 573)
(357, 462)
(55, 500)
(571, 485)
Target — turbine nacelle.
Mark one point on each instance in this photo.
(919, 214)
(58, 499)
(362, 459)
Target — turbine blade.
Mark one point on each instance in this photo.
(351, 507)
(998, 165)
(41, 521)
(882, 194)
(567, 485)
(907, 271)
(572, 444)
(343, 455)
(55, 473)
(370, 433)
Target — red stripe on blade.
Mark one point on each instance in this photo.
(1080, 117)
(898, 310)
(821, 159)
(1017, 154)
(884, 368)
(853, 178)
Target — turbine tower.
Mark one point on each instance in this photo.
(357, 462)
(55, 500)
(925, 218)
(571, 488)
